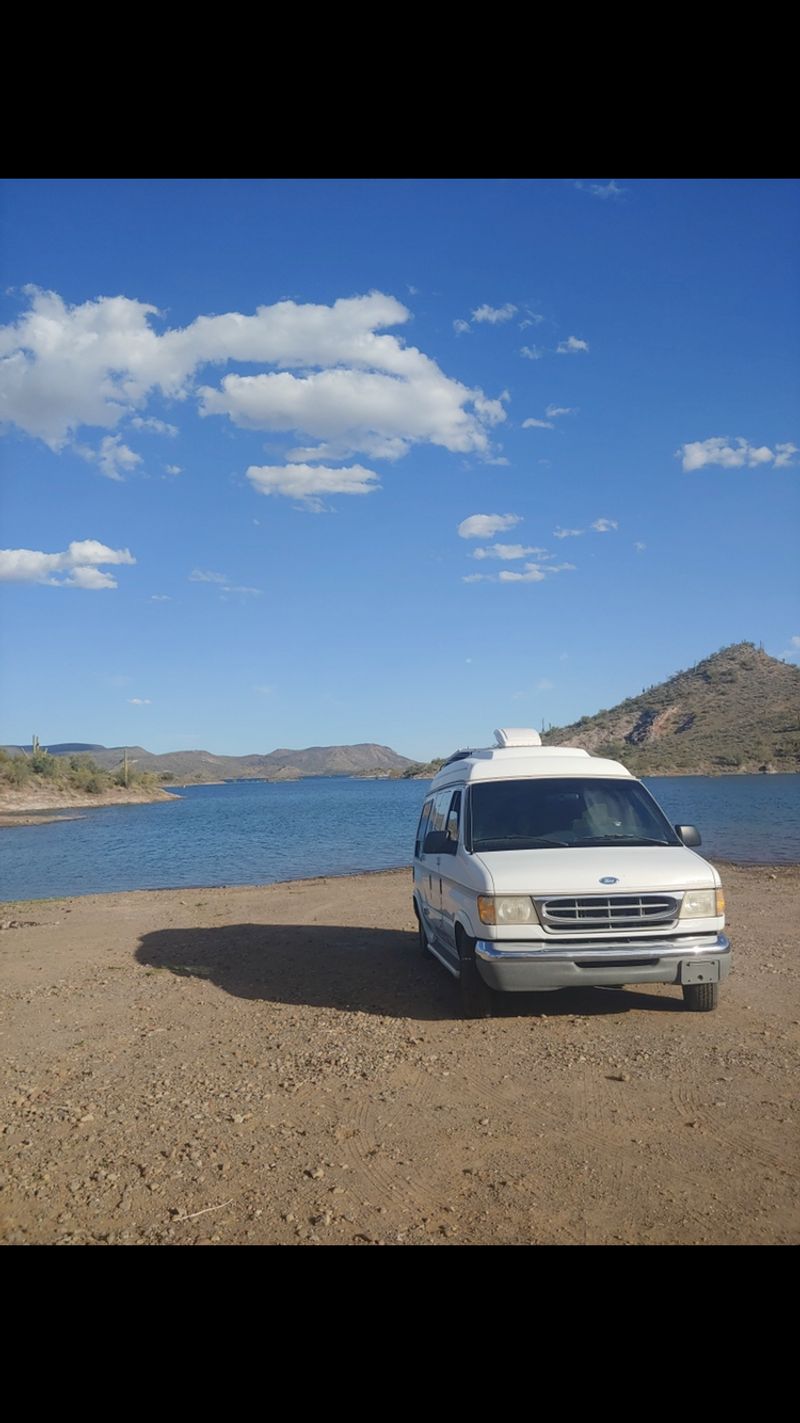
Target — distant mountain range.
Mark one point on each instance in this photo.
(281, 765)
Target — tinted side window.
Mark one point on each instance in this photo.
(422, 828)
(454, 817)
(441, 805)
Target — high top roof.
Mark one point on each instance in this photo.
(517, 754)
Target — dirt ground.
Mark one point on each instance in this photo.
(280, 1065)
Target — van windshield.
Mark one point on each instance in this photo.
(554, 814)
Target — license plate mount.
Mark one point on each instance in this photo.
(700, 971)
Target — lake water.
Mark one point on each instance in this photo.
(250, 832)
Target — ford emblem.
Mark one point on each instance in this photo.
(609, 879)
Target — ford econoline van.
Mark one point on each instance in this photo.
(542, 867)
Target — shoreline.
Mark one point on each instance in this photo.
(773, 867)
(43, 806)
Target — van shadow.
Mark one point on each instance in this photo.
(353, 969)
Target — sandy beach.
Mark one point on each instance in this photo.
(280, 1065)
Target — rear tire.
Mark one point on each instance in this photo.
(477, 998)
(700, 997)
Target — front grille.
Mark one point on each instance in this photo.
(608, 911)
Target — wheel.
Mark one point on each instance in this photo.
(477, 998)
(700, 997)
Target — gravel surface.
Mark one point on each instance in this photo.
(280, 1065)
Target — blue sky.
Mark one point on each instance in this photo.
(249, 427)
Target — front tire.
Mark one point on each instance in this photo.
(700, 997)
(477, 998)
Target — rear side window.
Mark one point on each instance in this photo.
(441, 806)
(453, 817)
(441, 812)
(422, 828)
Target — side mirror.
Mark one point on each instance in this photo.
(689, 834)
(438, 843)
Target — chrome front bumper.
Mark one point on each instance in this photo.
(530, 966)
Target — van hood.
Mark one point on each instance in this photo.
(635, 869)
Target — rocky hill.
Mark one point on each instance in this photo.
(736, 711)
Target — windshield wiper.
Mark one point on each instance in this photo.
(529, 842)
(616, 839)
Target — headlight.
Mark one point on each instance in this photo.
(506, 909)
(703, 904)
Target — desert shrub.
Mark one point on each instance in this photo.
(15, 771)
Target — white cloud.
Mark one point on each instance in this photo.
(247, 592)
(568, 533)
(572, 344)
(534, 573)
(160, 598)
(309, 482)
(545, 685)
(553, 411)
(532, 319)
(491, 411)
(204, 575)
(604, 526)
(139, 701)
(602, 190)
(78, 563)
(494, 314)
(640, 547)
(485, 526)
(508, 551)
(64, 367)
(719, 450)
(537, 424)
(461, 327)
(155, 427)
(85, 577)
(349, 410)
(112, 456)
(531, 353)
(173, 468)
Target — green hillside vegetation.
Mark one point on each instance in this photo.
(420, 772)
(736, 711)
(76, 773)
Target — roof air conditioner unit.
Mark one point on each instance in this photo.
(517, 736)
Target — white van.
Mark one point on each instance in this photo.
(541, 867)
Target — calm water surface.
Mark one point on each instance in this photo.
(251, 832)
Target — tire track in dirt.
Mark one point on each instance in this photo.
(383, 1179)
